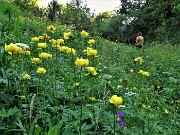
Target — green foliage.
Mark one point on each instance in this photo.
(9, 9)
(68, 99)
(157, 20)
(52, 9)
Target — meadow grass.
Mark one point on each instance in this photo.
(77, 87)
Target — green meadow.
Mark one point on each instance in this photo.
(57, 80)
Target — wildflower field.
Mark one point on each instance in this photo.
(61, 81)
(72, 83)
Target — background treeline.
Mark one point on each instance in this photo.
(158, 20)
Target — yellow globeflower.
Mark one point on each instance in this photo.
(166, 111)
(67, 35)
(35, 60)
(116, 100)
(51, 28)
(120, 80)
(41, 71)
(132, 70)
(27, 52)
(91, 42)
(42, 45)
(55, 46)
(34, 39)
(86, 62)
(71, 51)
(146, 73)
(44, 37)
(84, 33)
(144, 106)
(13, 49)
(45, 55)
(86, 50)
(63, 48)
(23, 97)
(76, 84)
(26, 76)
(141, 71)
(60, 41)
(92, 52)
(52, 41)
(92, 98)
(138, 59)
(82, 62)
(91, 70)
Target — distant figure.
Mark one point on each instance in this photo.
(139, 40)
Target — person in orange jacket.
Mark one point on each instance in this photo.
(139, 40)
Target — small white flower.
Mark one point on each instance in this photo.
(128, 94)
(23, 46)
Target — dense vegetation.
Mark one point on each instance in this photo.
(64, 71)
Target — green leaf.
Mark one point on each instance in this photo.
(20, 125)
(54, 130)
(38, 129)
(8, 113)
(106, 77)
(16, 29)
(173, 80)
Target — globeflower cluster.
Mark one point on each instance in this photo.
(67, 50)
(138, 60)
(144, 73)
(82, 62)
(56, 43)
(13, 49)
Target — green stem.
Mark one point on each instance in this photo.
(114, 109)
(81, 101)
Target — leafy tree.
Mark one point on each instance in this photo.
(156, 19)
(75, 16)
(53, 9)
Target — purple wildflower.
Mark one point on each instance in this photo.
(61, 59)
(122, 123)
(120, 115)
